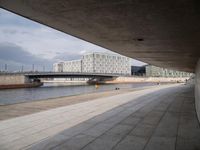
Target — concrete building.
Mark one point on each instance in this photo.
(153, 71)
(58, 67)
(138, 70)
(72, 66)
(96, 63)
(106, 63)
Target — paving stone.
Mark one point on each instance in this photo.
(170, 131)
(188, 144)
(131, 143)
(77, 129)
(131, 121)
(143, 130)
(161, 143)
(125, 113)
(49, 143)
(177, 104)
(189, 133)
(153, 120)
(155, 113)
(105, 142)
(98, 129)
(110, 138)
(161, 107)
(120, 129)
(75, 143)
(139, 114)
(105, 116)
(114, 120)
(169, 119)
(189, 121)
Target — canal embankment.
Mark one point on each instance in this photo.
(136, 79)
(13, 81)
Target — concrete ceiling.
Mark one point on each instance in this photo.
(164, 33)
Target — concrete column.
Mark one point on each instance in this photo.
(197, 89)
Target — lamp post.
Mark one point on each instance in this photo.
(33, 67)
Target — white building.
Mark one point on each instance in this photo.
(58, 67)
(72, 66)
(106, 63)
(153, 71)
(97, 63)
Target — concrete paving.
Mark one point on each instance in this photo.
(26, 108)
(160, 118)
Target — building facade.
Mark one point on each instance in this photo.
(138, 70)
(106, 63)
(153, 71)
(97, 63)
(58, 67)
(72, 66)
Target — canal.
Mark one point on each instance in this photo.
(53, 90)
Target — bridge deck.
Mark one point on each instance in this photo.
(64, 74)
(156, 118)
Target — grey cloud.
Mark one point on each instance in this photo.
(10, 52)
(9, 31)
(67, 56)
(13, 31)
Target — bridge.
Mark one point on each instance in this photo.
(26, 77)
(92, 77)
(34, 75)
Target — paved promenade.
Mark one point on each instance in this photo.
(26, 108)
(158, 118)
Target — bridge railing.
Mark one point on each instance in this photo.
(71, 73)
(61, 73)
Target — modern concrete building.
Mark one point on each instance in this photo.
(72, 66)
(97, 63)
(153, 71)
(138, 70)
(58, 67)
(106, 63)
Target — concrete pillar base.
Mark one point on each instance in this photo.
(197, 89)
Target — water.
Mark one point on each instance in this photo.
(53, 90)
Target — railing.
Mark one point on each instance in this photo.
(61, 73)
(70, 73)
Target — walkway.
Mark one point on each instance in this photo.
(26, 108)
(158, 118)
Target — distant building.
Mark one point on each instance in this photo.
(58, 67)
(138, 70)
(97, 63)
(106, 63)
(153, 71)
(72, 66)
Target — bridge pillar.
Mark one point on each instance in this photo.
(197, 89)
(99, 80)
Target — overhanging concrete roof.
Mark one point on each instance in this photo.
(160, 32)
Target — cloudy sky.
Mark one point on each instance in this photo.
(24, 42)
